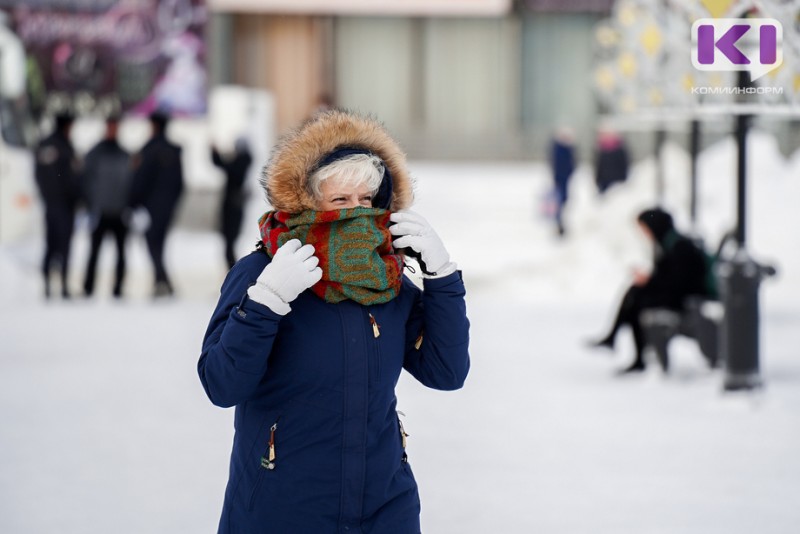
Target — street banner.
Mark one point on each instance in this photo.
(109, 56)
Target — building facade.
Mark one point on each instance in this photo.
(491, 80)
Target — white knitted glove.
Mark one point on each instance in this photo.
(293, 269)
(416, 233)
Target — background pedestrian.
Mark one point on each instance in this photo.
(56, 174)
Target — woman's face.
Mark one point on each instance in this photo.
(338, 196)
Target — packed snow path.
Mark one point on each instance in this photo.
(105, 426)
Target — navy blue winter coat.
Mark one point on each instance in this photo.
(563, 162)
(319, 386)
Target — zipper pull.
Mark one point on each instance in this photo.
(272, 442)
(269, 461)
(375, 326)
(403, 434)
(418, 342)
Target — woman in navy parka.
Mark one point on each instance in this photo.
(312, 331)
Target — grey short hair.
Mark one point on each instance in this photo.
(352, 170)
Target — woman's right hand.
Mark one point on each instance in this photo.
(293, 269)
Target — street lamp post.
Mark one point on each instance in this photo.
(660, 139)
(740, 277)
(739, 280)
(694, 151)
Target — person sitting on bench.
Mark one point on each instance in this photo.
(681, 269)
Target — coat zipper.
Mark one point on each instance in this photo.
(375, 326)
(376, 333)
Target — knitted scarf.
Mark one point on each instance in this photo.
(354, 248)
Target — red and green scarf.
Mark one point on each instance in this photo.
(354, 247)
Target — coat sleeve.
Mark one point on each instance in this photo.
(179, 168)
(142, 177)
(676, 274)
(437, 334)
(72, 166)
(238, 341)
(88, 178)
(216, 159)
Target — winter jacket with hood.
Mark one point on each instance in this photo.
(318, 445)
(680, 269)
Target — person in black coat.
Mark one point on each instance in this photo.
(57, 179)
(157, 186)
(106, 188)
(680, 270)
(235, 170)
(611, 160)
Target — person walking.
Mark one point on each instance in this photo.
(235, 169)
(312, 330)
(562, 163)
(680, 270)
(157, 186)
(106, 188)
(56, 171)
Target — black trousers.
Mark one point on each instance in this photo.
(156, 236)
(231, 218)
(636, 300)
(107, 224)
(59, 224)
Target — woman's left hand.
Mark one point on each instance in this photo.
(416, 233)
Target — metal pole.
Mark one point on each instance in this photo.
(742, 125)
(740, 277)
(694, 150)
(661, 136)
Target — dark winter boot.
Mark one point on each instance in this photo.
(606, 343)
(163, 289)
(64, 284)
(46, 285)
(636, 367)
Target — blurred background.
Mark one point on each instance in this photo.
(103, 423)
(489, 80)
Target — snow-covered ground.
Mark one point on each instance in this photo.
(104, 426)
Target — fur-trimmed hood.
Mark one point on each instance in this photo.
(285, 177)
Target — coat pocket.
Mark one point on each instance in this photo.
(267, 463)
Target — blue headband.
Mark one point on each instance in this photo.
(383, 197)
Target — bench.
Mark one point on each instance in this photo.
(700, 320)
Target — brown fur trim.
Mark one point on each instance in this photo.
(285, 177)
